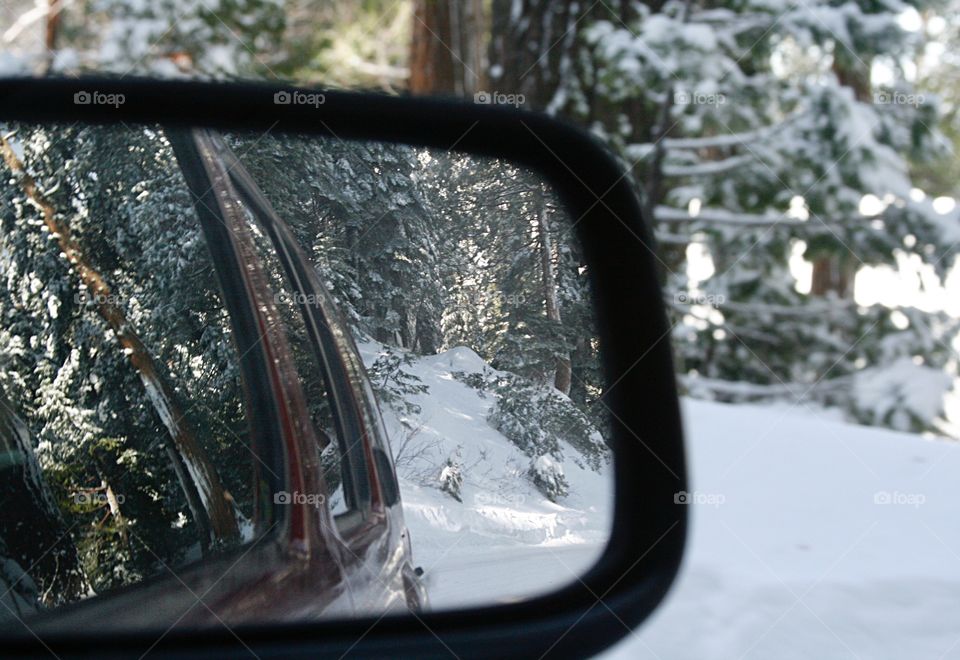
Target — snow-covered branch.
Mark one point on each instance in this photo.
(818, 307)
(723, 217)
(717, 141)
(670, 214)
(761, 390)
(709, 167)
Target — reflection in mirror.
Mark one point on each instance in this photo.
(430, 360)
(468, 297)
(124, 445)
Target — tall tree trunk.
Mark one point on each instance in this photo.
(32, 529)
(448, 47)
(427, 333)
(528, 47)
(836, 272)
(471, 24)
(833, 273)
(431, 54)
(563, 375)
(205, 494)
(536, 46)
(51, 33)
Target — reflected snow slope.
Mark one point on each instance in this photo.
(504, 539)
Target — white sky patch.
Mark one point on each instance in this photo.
(800, 268)
(881, 75)
(899, 319)
(798, 208)
(911, 284)
(871, 205)
(909, 19)
(944, 205)
(699, 263)
(936, 25)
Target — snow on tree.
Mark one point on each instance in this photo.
(427, 251)
(547, 476)
(754, 133)
(113, 320)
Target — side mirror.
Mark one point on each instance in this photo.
(278, 363)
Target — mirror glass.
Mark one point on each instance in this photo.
(263, 377)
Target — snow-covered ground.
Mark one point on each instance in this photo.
(823, 540)
(504, 540)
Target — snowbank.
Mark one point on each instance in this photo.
(830, 541)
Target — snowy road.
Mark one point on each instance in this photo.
(485, 577)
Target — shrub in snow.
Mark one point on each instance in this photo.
(536, 418)
(392, 383)
(903, 396)
(451, 476)
(547, 475)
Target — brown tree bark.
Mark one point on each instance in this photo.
(51, 32)
(431, 54)
(473, 30)
(448, 47)
(540, 48)
(205, 494)
(535, 51)
(831, 273)
(525, 55)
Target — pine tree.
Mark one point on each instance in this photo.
(113, 320)
(754, 134)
